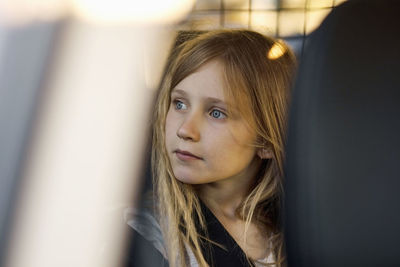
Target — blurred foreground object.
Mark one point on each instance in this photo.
(86, 92)
(342, 185)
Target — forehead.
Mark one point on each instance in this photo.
(206, 81)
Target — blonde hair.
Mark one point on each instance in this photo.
(257, 74)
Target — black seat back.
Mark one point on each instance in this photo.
(342, 205)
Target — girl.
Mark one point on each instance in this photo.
(217, 157)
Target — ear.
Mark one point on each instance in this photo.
(265, 153)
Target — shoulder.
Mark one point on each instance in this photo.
(144, 223)
(148, 236)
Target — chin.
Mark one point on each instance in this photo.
(187, 178)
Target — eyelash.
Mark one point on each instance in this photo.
(176, 102)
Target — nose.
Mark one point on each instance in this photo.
(190, 128)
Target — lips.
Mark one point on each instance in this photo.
(186, 155)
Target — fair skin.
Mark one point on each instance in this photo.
(213, 151)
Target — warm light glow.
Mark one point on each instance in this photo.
(125, 11)
(277, 50)
(264, 22)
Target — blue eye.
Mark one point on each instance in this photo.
(215, 113)
(179, 105)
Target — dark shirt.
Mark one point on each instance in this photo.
(143, 253)
(231, 255)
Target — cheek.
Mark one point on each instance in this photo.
(232, 151)
(236, 155)
(167, 122)
(170, 130)
(241, 144)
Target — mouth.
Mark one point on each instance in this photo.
(186, 155)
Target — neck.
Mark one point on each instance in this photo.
(224, 197)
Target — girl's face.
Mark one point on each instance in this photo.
(204, 144)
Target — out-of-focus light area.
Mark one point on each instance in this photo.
(78, 82)
(156, 11)
(290, 20)
(99, 11)
(284, 18)
(17, 12)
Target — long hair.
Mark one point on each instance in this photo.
(257, 73)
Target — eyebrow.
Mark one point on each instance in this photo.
(216, 101)
(209, 99)
(178, 91)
